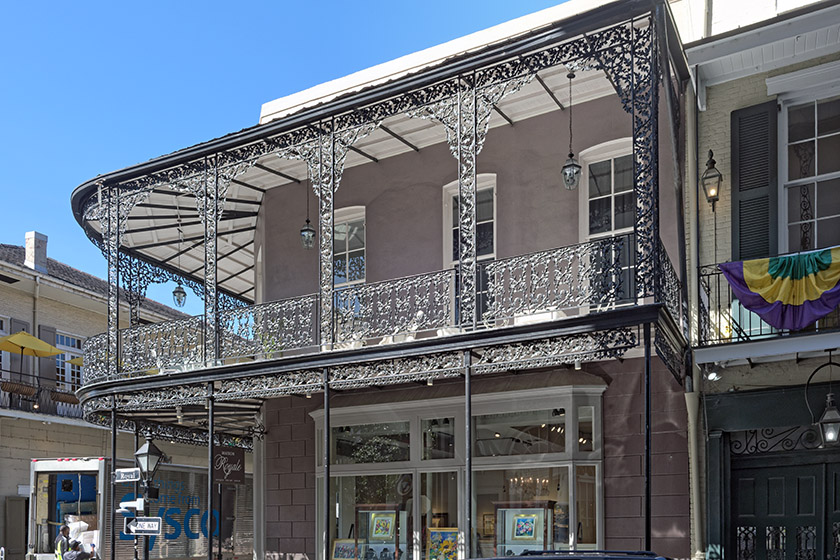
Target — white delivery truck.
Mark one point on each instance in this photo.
(76, 491)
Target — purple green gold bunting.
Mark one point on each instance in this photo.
(789, 292)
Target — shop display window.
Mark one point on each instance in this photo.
(520, 433)
(385, 442)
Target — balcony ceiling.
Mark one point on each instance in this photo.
(153, 230)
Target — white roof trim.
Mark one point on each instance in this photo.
(817, 76)
(424, 59)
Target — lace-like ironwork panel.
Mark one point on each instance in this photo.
(776, 542)
(406, 305)
(565, 278)
(153, 348)
(773, 440)
(806, 543)
(95, 359)
(835, 539)
(745, 543)
(264, 331)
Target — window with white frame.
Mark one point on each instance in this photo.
(608, 207)
(349, 256)
(485, 229)
(810, 172)
(534, 454)
(68, 376)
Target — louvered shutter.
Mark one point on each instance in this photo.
(754, 182)
(46, 366)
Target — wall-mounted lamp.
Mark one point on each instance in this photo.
(711, 180)
(829, 422)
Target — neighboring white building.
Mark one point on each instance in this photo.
(39, 413)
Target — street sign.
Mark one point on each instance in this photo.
(142, 525)
(127, 475)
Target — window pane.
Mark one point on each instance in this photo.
(438, 509)
(585, 428)
(599, 179)
(357, 266)
(829, 198)
(372, 511)
(828, 232)
(484, 205)
(801, 237)
(801, 122)
(800, 160)
(484, 238)
(624, 211)
(438, 438)
(829, 154)
(585, 508)
(340, 269)
(623, 173)
(599, 215)
(370, 443)
(340, 238)
(828, 115)
(520, 433)
(800, 203)
(502, 495)
(356, 235)
(455, 220)
(455, 245)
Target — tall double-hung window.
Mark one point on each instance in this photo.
(68, 376)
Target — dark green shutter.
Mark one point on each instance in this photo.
(754, 182)
(46, 366)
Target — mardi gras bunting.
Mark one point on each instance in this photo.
(789, 292)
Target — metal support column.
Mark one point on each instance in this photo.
(136, 490)
(210, 458)
(468, 532)
(211, 292)
(113, 535)
(647, 436)
(327, 500)
(111, 240)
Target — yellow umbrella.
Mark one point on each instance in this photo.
(25, 344)
(77, 361)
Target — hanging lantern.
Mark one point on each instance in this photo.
(179, 295)
(307, 235)
(571, 169)
(829, 422)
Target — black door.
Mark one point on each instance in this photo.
(785, 512)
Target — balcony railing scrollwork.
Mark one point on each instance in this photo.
(381, 309)
(595, 273)
(162, 346)
(267, 330)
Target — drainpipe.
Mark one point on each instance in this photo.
(36, 295)
(692, 396)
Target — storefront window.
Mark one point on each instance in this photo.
(438, 438)
(520, 433)
(438, 514)
(585, 500)
(373, 517)
(386, 442)
(520, 510)
(585, 431)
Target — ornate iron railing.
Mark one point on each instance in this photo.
(29, 393)
(268, 329)
(723, 319)
(415, 303)
(593, 276)
(671, 291)
(597, 273)
(160, 346)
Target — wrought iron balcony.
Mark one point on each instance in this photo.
(27, 393)
(723, 319)
(550, 285)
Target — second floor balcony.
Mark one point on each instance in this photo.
(584, 279)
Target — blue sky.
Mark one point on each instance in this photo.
(91, 87)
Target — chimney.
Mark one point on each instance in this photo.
(36, 251)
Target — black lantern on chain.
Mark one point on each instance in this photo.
(711, 180)
(571, 169)
(179, 295)
(829, 422)
(307, 232)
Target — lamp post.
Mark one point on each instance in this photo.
(829, 422)
(148, 458)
